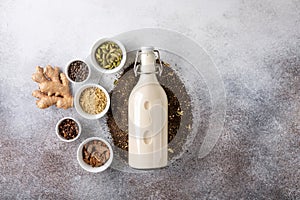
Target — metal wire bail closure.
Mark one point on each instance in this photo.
(159, 67)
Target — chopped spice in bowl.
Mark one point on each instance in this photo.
(94, 154)
(108, 55)
(68, 129)
(92, 101)
(78, 71)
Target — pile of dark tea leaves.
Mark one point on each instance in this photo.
(179, 107)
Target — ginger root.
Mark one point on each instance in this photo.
(53, 88)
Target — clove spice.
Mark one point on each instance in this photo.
(68, 129)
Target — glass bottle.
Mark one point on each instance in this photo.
(148, 115)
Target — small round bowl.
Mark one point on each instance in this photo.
(78, 107)
(88, 167)
(95, 63)
(61, 137)
(67, 74)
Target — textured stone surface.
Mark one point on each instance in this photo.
(256, 46)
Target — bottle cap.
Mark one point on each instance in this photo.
(147, 49)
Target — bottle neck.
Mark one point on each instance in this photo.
(148, 70)
(148, 61)
(148, 78)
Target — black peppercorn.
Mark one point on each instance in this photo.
(78, 71)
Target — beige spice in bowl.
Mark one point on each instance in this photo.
(93, 100)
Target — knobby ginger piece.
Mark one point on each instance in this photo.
(53, 88)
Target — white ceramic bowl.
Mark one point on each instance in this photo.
(67, 69)
(88, 167)
(95, 63)
(78, 107)
(61, 137)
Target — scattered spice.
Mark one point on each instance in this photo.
(93, 100)
(68, 129)
(78, 71)
(170, 150)
(179, 107)
(95, 153)
(109, 55)
(179, 113)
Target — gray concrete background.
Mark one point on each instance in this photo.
(256, 46)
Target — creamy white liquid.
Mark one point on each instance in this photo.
(148, 119)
